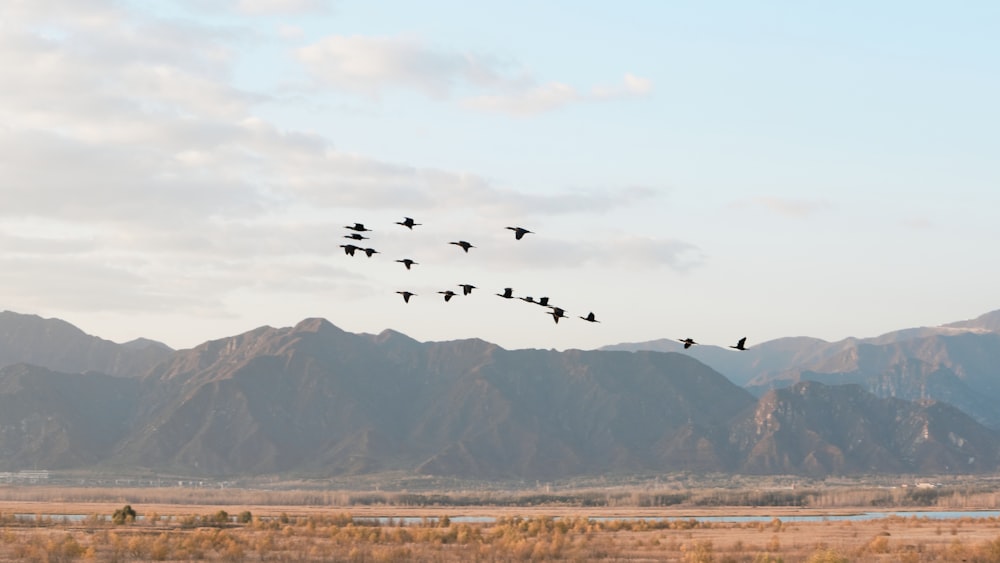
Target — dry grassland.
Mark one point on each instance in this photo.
(213, 531)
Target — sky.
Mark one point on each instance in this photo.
(183, 170)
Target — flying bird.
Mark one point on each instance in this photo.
(528, 299)
(447, 295)
(519, 232)
(349, 249)
(590, 318)
(406, 295)
(687, 343)
(557, 313)
(356, 236)
(508, 293)
(407, 262)
(466, 288)
(465, 245)
(741, 345)
(360, 227)
(370, 251)
(408, 223)
(543, 301)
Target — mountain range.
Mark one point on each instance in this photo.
(956, 363)
(314, 400)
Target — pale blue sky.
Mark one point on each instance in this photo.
(713, 170)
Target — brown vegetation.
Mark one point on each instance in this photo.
(187, 532)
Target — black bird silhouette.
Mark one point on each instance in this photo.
(360, 227)
(741, 345)
(349, 249)
(356, 236)
(465, 245)
(370, 251)
(408, 223)
(519, 232)
(447, 294)
(543, 301)
(407, 262)
(406, 295)
(466, 288)
(590, 318)
(557, 313)
(528, 299)
(508, 293)
(687, 342)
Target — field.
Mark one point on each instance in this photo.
(245, 525)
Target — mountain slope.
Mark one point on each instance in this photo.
(56, 420)
(818, 429)
(60, 346)
(315, 398)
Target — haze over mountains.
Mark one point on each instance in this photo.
(315, 400)
(957, 363)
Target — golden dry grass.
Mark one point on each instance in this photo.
(285, 525)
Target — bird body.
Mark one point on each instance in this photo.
(406, 295)
(528, 299)
(407, 262)
(741, 345)
(360, 227)
(465, 245)
(543, 301)
(508, 293)
(356, 236)
(557, 313)
(447, 294)
(370, 251)
(408, 223)
(590, 318)
(349, 249)
(519, 232)
(466, 288)
(687, 342)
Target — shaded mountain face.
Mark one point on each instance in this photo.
(958, 363)
(56, 420)
(811, 428)
(60, 346)
(317, 399)
(960, 369)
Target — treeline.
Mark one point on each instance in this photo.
(910, 497)
(943, 497)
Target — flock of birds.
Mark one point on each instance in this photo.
(357, 235)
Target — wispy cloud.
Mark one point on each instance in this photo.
(136, 176)
(263, 7)
(374, 65)
(787, 207)
(257, 7)
(556, 95)
(371, 65)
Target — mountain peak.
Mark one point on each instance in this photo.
(988, 322)
(316, 324)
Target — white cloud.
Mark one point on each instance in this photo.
(554, 96)
(137, 178)
(261, 7)
(374, 65)
(269, 7)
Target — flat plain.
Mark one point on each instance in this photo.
(64, 524)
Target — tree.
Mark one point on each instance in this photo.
(124, 515)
